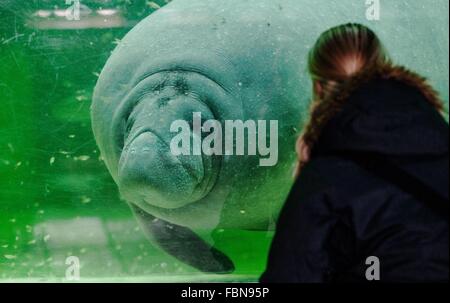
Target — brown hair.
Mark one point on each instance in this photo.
(342, 52)
(343, 57)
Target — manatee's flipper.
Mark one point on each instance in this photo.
(183, 244)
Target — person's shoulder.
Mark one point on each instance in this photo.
(334, 170)
(336, 176)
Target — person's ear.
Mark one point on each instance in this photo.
(303, 151)
(303, 154)
(318, 88)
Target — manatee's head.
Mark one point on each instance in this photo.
(180, 61)
(133, 131)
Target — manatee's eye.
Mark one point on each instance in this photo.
(181, 85)
(163, 101)
(130, 119)
(128, 126)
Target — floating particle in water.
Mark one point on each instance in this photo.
(243, 212)
(81, 98)
(116, 41)
(153, 5)
(72, 136)
(118, 247)
(82, 158)
(32, 242)
(5, 246)
(83, 251)
(46, 238)
(10, 257)
(63, 152)
(41, 212)
(163, 265)
(85, 200)
(28, 228)
(13, 220)
(96, 74)
(52, 160)
(11, 148)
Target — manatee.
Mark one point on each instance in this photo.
(228, 60)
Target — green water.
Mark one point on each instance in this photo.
(56, 197)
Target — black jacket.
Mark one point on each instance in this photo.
(377, 185)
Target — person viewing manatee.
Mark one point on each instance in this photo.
(228, 61)
(373, 172)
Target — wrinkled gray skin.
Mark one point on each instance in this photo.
(228, 60)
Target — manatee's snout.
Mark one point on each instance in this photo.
(149, 171)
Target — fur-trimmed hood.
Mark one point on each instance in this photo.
(390, 111)
(392, 114)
